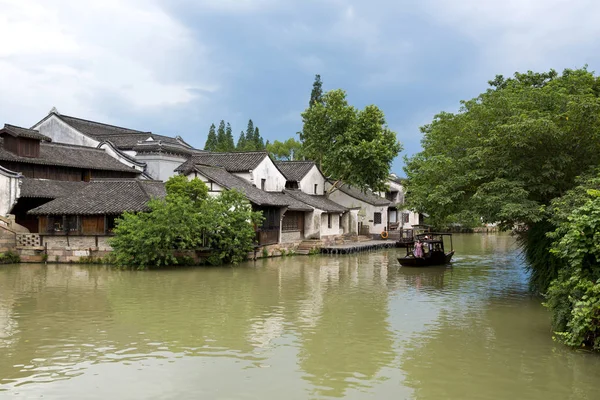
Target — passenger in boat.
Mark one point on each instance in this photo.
(418, 251)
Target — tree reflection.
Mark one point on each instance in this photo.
(351, 340)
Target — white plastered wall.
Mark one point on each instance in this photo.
(312, 178)
(366, 211)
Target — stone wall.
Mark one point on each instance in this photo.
(8, 241)
(65, 249)
(291, 237)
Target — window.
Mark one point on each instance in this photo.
(340, 222)
(328, 220)
(316, 188)
(405, 217)
(263, 182)
(292, 221)
(377, 218)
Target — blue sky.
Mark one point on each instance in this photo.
(175, 66)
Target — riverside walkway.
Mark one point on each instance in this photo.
(357, 247)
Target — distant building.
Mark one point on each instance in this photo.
(40, 162)
(156, 155)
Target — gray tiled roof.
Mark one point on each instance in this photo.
(294, 170)
(253, 194)
(17, 131)
(232, 162)
(160, 146)
(367, 196)
(316, 201)
(105, 197)
(123, 138)
(67, 155)
(49, 189)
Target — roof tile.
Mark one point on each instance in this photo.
(105, 197)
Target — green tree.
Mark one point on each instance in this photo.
(508, 153)
(574, 297)
(350, 145)
(229, 142)
(250, 140)
(289, 150)
(241, 144)
(259, 143)
(221, 137)
(187, 219)
(211, 140)
(316, 95)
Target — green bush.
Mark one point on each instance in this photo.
(187, 219)
(574, 297)
(9, 257)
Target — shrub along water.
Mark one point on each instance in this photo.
(188, 219)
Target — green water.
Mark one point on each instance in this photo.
(300, 327)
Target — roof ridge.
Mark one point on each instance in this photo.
(78, 146)
(99, 123)
(20, 127)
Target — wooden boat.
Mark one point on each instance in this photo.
(407, 236)
(433, 248)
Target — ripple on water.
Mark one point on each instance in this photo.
(354, 326)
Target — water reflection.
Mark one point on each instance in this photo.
(301, 327)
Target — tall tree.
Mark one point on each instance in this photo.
(350, 145)
(259, 143)
(250, 141)
(229, 142)
(211, 140)
(316, 96)
(221, 137)
(241, 144)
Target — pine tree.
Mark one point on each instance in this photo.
(259, 144)
(211, 140)
(230, 144)
(316, 96)
(221, 137)
(241, 144)
(250, 141)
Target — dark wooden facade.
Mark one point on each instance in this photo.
(23, 147)
(268, 231)
(77, 225)
(59, 173)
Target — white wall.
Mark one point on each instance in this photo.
(214, 189)
(335, 224)
(366, 209)
(114, 154)
(161, 166)
(314, 176)
(60, 132)
(275, 181)
(9, 190)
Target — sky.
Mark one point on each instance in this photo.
(173, 67)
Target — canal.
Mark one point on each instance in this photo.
(304, 327)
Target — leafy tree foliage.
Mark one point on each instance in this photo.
(289, 150)
(511, 150)
(350, 145)
(211, 140)
(574, 297)
(317, 91)
(187, 219)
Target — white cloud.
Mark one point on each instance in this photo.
(517, 34)
(64, 53)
